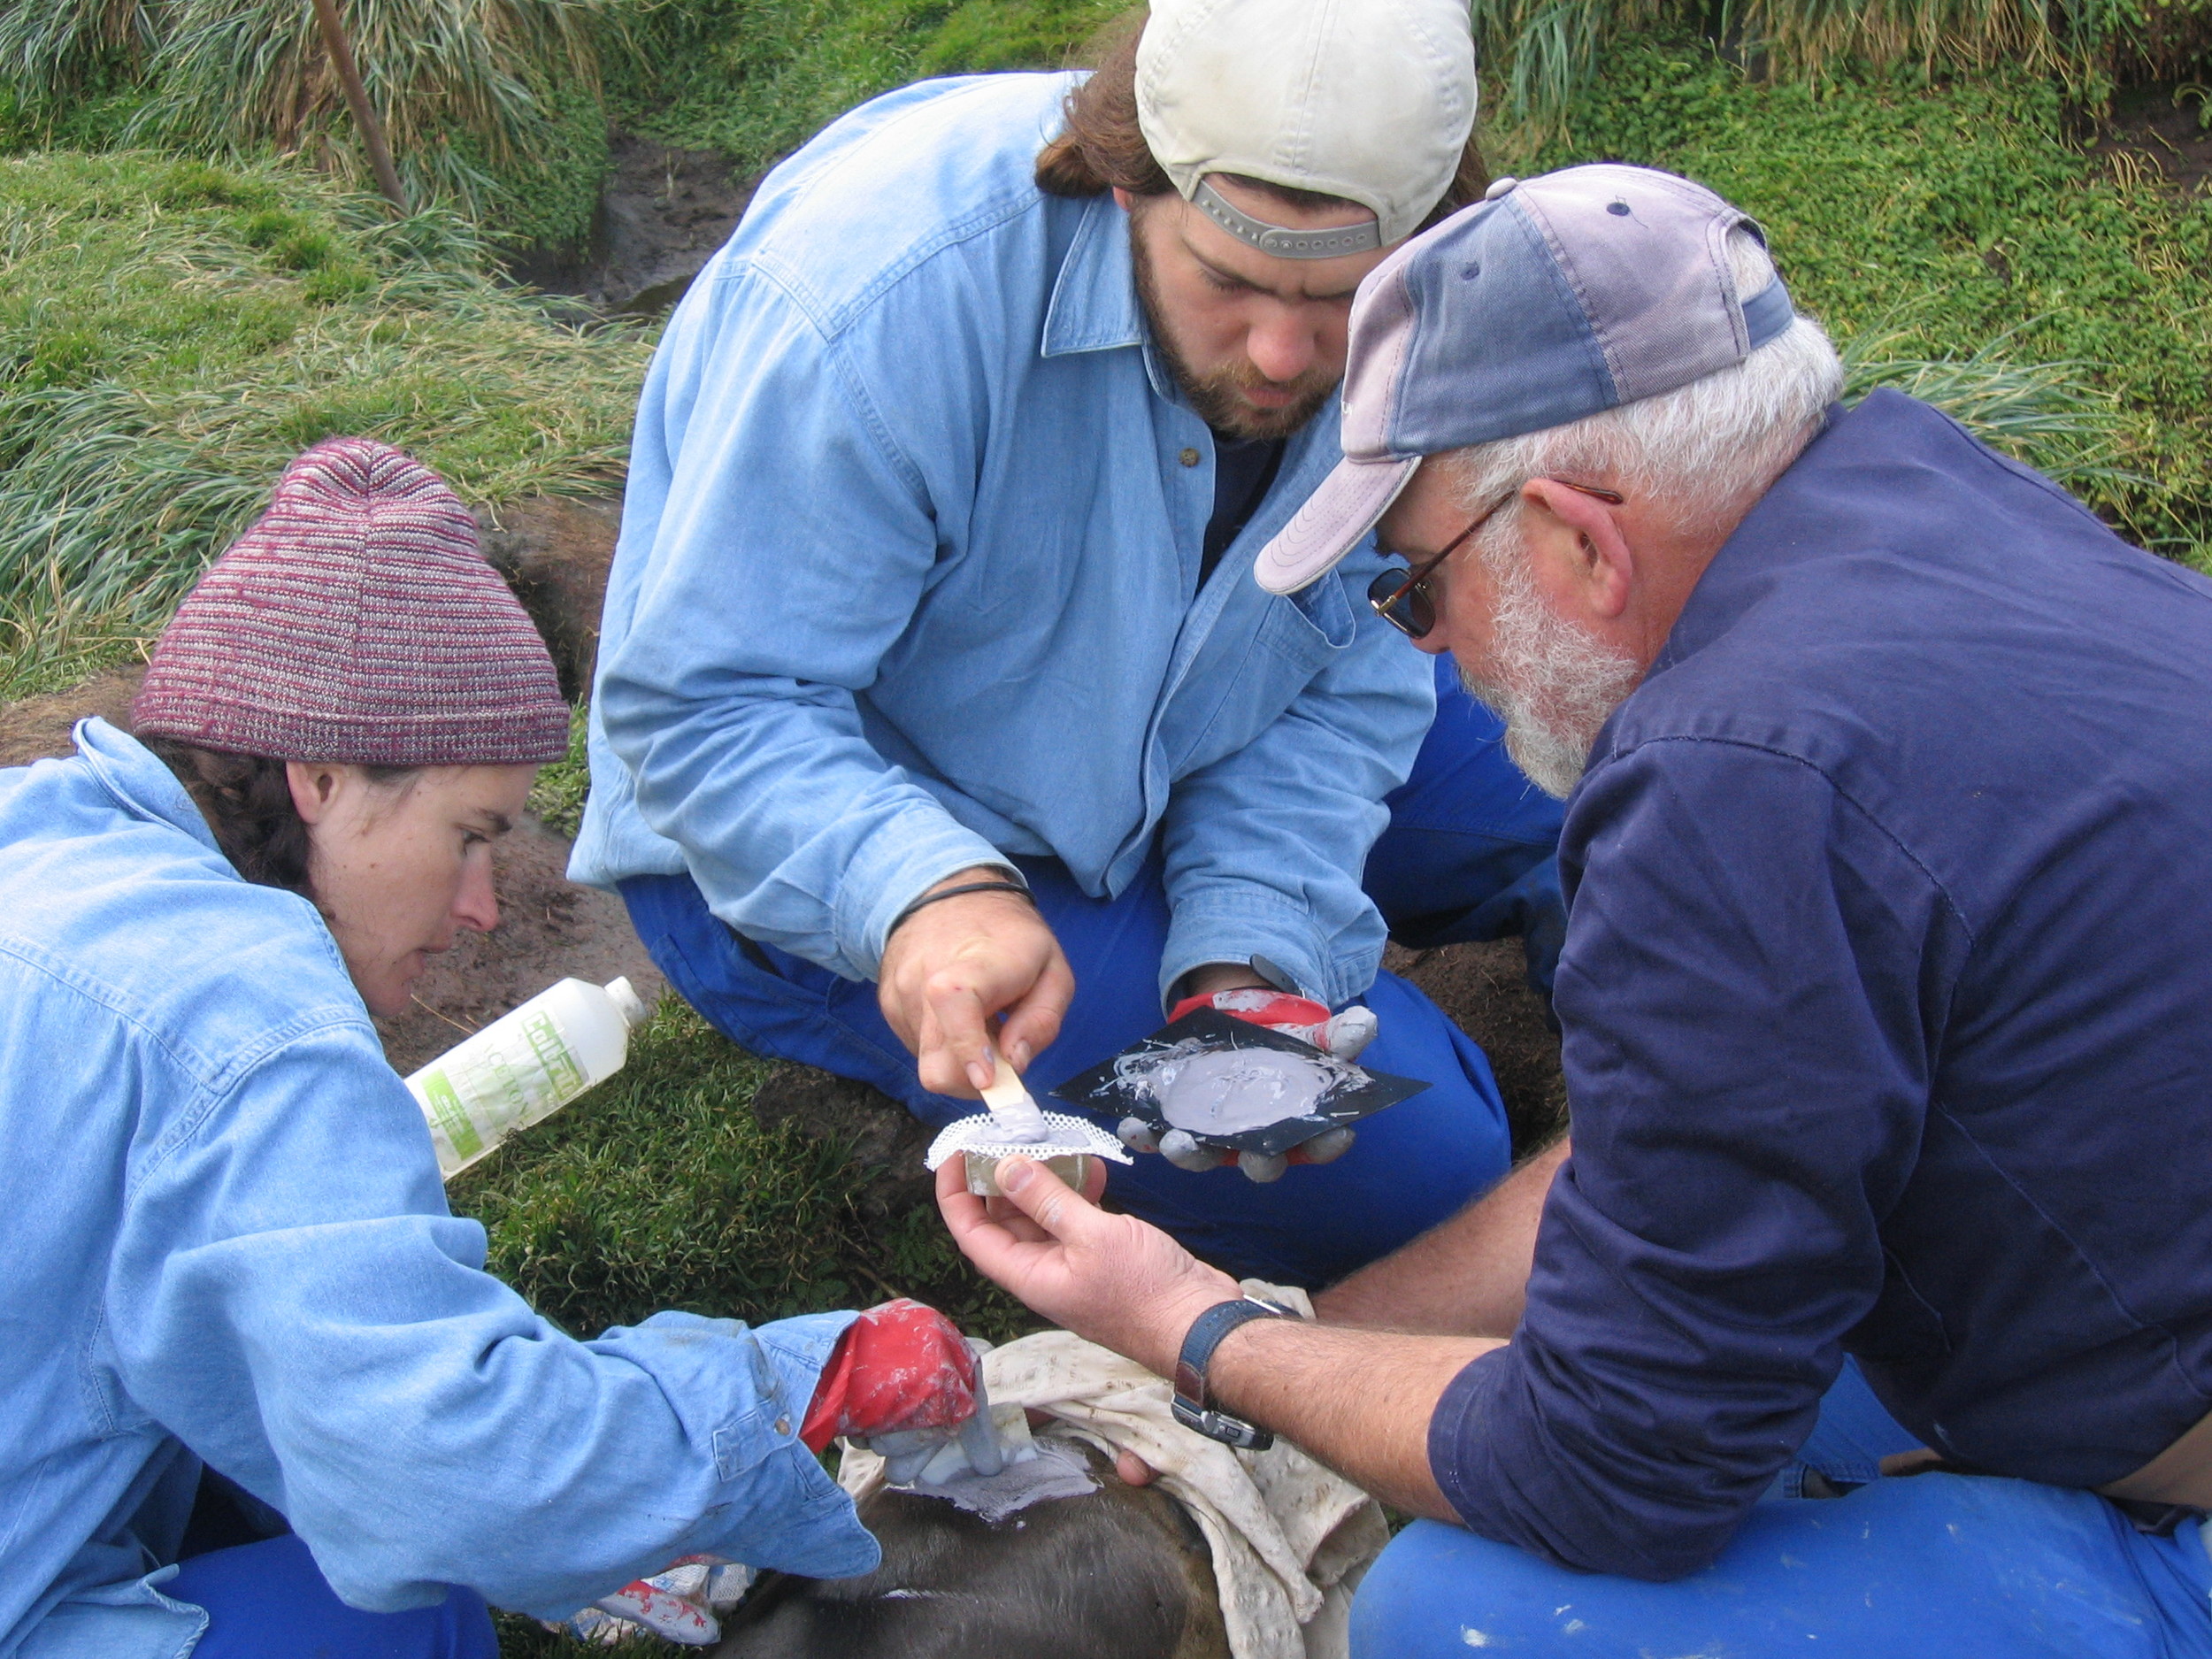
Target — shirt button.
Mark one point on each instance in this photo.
(1188, 457)
(783, 1425)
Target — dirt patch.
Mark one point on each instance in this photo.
(1485, 989)
(2155, 127)
(662, 214)
(554, 552)
(38, 727)
(549, 929)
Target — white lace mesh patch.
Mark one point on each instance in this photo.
(1065, 1136)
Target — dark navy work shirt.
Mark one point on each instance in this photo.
(1244, 472)
(1887, 995)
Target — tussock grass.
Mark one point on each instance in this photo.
(755, 79)
(1959, 246)
(486, 102)
(172, 333)
(1544, 54)
(492, 106)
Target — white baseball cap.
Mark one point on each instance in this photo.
(1370, 100)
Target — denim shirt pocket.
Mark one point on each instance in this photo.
(1310, 626)
(1292, 640)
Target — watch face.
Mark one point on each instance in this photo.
(1219, 1426)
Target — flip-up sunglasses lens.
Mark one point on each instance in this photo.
(1403, 603)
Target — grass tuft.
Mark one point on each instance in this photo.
(490, 105)
(172, 333)
(1957, 244)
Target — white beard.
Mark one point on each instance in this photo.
(1551, 683)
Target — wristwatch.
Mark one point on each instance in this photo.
(1206, 1332)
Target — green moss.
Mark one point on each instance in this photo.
(557, 799)
(992, 34)
(550, 194)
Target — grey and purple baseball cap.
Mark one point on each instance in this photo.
(1551, 299)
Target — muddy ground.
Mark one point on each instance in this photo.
(2161, 127)
(662, 214)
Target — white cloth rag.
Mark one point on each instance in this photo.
(1290, 1539)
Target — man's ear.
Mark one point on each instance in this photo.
(315, 789)
(1576, 550)
(1123, 199)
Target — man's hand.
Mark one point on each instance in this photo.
(1344, 1034)
(952, 966)
(1115, 1279)
(1359, 1401)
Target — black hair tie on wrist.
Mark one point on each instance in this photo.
(954, 893)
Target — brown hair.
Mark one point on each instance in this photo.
(247, 801)
(1101, 147)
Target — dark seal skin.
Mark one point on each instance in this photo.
(1119, 1573)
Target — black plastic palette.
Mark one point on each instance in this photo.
(1106, 1088)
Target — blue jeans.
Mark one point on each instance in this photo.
(269, 1601)
(1471, 850)
(1411, 1166)
(1930, 1566)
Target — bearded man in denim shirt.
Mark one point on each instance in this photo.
(932, 656)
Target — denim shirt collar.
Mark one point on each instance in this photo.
(138, 779)
(1094, 305)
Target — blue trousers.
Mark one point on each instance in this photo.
(1930, 1566)
(1412, 1165)
(269, 1601)
(1470, 852)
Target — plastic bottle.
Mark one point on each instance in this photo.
(524, 1066)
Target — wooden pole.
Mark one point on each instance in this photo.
(357, 96)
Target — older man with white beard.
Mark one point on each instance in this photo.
(1883, 996)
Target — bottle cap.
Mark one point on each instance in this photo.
(626, 1001)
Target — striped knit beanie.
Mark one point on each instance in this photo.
(356, 622)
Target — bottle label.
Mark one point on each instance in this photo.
(448, 1113)
(562, 1072)
(506, 1077)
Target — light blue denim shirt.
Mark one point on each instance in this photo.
(225, 1240)
(908, 578)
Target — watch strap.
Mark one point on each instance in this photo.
(1205, 1335)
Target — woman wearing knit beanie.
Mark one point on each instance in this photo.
(228, 1244)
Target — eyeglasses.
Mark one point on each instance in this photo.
(1401, 598)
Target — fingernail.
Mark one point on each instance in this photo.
(1014, 1174)
(1017, 1057)
(979, 1074)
